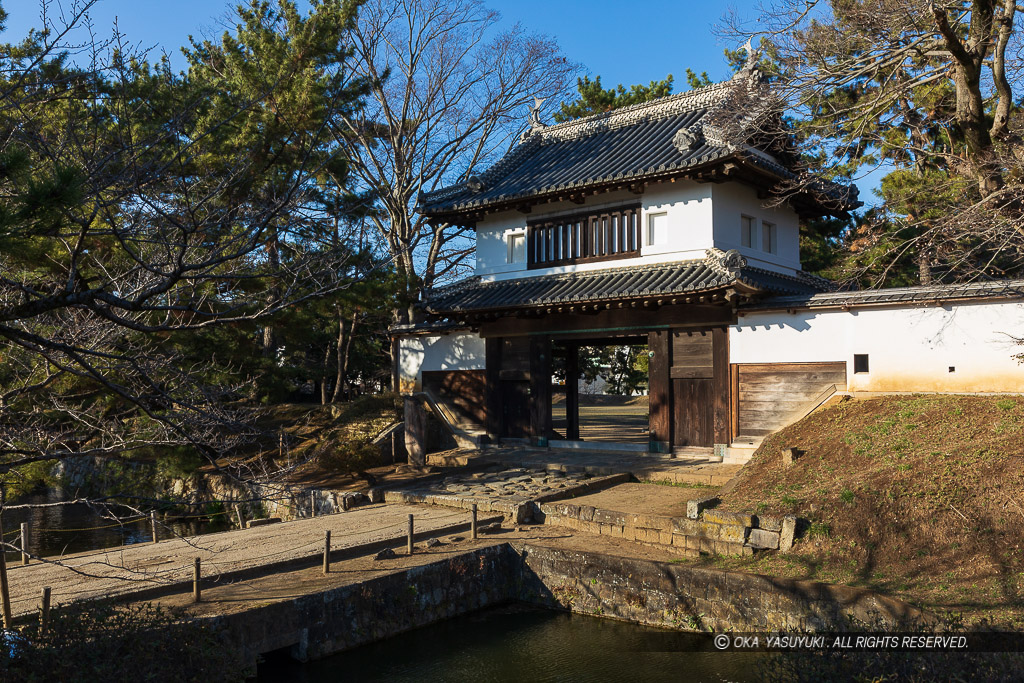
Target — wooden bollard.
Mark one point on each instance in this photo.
(44, 610)
(24, 543)
(410, 534)
(241, 519)
(312, 504)
(472, 523)
(327, 552)
(196, 576)
(152, 524)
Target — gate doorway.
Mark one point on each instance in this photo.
(600, 392)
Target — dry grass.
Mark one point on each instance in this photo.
(918, 496)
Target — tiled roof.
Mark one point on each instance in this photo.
(664, 137)
(998, 289)
(718, 271)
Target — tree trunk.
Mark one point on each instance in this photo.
(274, 257)
(342, 367)
(924, 268)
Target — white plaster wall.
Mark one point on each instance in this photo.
(436, 352)
(731, 201)
(909, 349)
(687, 203)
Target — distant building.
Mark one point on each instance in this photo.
(649, 224)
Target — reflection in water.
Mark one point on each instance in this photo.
(64, 529)
(520, 643)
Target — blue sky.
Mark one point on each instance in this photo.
(627, 42)
(621, 41)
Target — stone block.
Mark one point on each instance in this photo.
(695, 507)
(609, 517)
(587, 513)
(262, 522)
(759, 538)
(769, 522)
(647, 535)
(376, 495)
(788, 533)
(732, 534)
(729, 518)
(687, 527)
(707, 545)
(790, 455)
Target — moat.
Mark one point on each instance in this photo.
(517, 643)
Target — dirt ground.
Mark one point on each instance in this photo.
(616, 419)
(239, 596)
(126, 569)
(644, 498)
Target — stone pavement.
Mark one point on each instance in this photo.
(495, 488)
(642, 466)
(146, 567)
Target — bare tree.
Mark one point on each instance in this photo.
(925, 89)
(449, 96)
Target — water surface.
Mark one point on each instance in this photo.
(63, 529)
(520, 643)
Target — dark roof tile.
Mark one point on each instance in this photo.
(617, 284)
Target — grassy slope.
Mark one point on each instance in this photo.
(918, 496)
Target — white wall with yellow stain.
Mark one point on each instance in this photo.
(962, 347)
(456, 351)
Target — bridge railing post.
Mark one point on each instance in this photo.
(196, 578)
(410, 534)
(44, 610)
(327, 552)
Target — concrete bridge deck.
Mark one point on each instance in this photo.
(135, 571)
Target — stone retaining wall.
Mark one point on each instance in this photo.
(703, 530)
(694, 598)
(327, 622)
(641, 591)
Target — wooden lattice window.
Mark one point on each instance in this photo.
(579, 238)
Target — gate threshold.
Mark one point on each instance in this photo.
(597, 446)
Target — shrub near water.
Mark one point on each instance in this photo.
(919, 496)
(90, 642)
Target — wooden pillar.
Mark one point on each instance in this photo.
(722, 385)
(660, 389)
(415, 431)
(396, 354)
(492, 387)
(572, 392)
(540, 389)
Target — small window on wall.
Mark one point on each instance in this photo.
(769, 237)
(657, 228)
(747, 227)
(517, 247)
(860, 363)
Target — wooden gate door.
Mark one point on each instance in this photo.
(515, 387)
(693, 396)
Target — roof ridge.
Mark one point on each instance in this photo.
(660, 101)
(663, 107)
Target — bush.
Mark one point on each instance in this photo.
(92, 641)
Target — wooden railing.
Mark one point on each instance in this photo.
(584, 237)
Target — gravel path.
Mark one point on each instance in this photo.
(127, 569)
